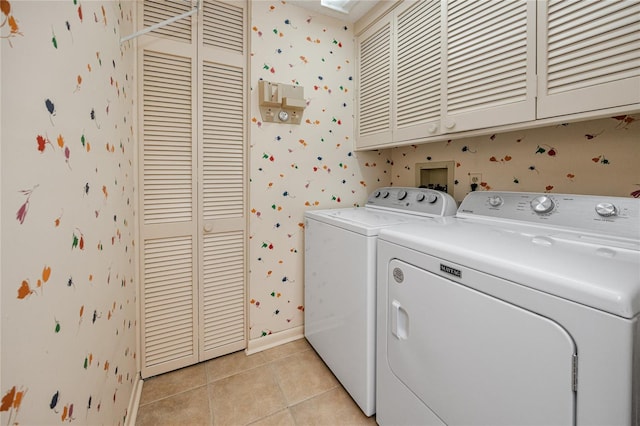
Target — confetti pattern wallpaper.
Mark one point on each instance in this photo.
(598, 157)
(294, 168)
(68, 197)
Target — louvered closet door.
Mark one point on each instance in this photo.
(374, 85)
(489, 58)
(589, 55)
(418, 76)
(222, 186)
(193, 111)
(168, 203)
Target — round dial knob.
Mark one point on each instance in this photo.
(385, 194)
(495, 201)
(606, 209)
(377, 194)
(432, 198)
(283, 115)
(402, 195)
(542, 204)
(420, 197)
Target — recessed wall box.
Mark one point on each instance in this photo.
(281, 103)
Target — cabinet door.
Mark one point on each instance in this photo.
(417, 47)
(589, 55)
(489, 62)
(375, 76)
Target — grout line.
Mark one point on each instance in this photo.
(172, 395)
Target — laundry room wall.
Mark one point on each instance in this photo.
(68, 296)
(598, 157)
(299, 167)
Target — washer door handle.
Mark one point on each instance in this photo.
(399, 321)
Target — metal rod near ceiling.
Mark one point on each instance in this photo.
(162, 24)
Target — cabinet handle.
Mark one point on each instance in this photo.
(208, 227)
(449, 124)
(432, 128)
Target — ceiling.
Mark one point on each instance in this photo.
(359, 8)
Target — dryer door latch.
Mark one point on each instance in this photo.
(574, 373)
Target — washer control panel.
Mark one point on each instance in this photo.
(413, 200)
(617, 216)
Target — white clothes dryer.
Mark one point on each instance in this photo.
(522, 310)
(340, 280)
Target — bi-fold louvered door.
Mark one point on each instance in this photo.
(589, 55)
(193, 92)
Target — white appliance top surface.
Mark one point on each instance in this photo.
(387, 207)
(597, 266)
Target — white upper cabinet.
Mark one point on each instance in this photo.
(399, 75)
(417, 51)
(489, 62)
(588, 55)
(433, 69)
(374, 81)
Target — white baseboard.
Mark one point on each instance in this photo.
(134, 401)
(276, 339)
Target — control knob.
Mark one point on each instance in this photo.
(377, 194)
(432, 198)
(420, 197)
(495, 201)
(542, 204)
(606, 209)
(402, 195)
(385, 194)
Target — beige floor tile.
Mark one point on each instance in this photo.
(281, 418)
(334, 407)
(172, 383)
(287, 349)
(246, 397)
(231, 364)
(302, 376)
(187, 408)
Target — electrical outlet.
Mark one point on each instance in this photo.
(475, 178)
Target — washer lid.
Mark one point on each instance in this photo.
(362, 220)
(600, 273)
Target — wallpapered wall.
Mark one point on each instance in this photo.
(313, 165)
(68, 272)
(599, 157)
(299, 167)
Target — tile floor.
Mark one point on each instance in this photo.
(285, 385)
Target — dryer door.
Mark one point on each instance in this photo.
(475, 359)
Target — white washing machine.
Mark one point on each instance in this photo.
(340, 280)
(521, 310)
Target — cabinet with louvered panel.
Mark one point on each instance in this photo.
(588, 56)
(504, 65)
(489, 63)
(399, 75)
(192, 196)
